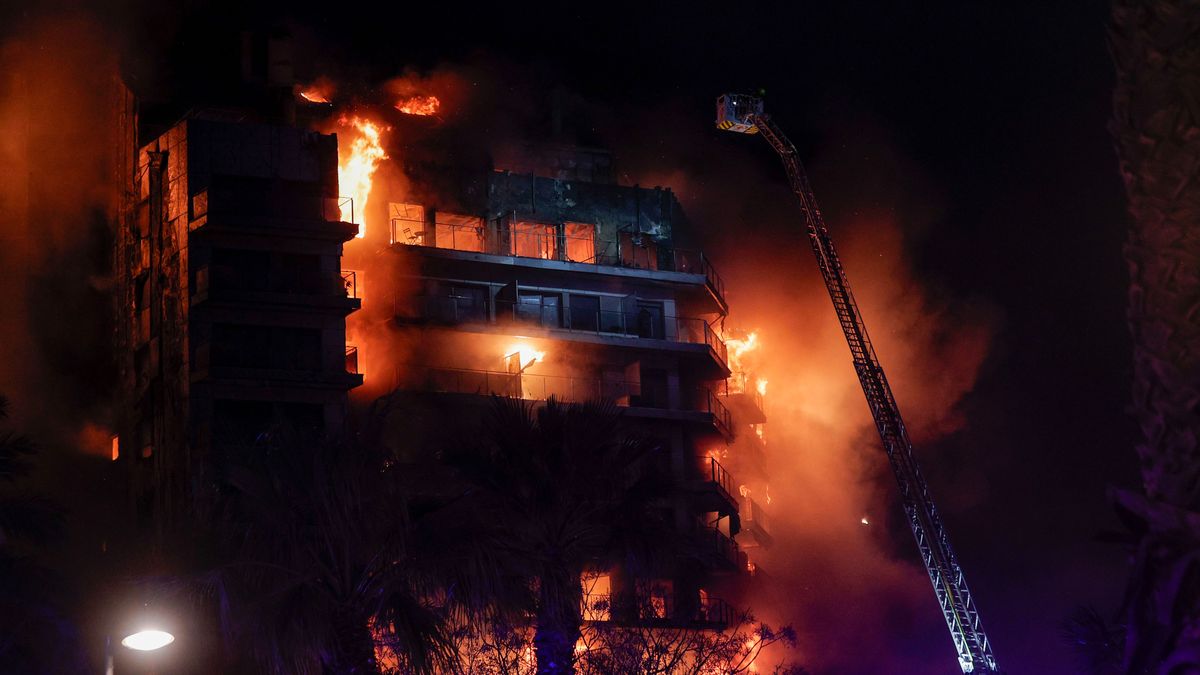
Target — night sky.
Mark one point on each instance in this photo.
(981, 129)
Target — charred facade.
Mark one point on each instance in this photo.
(557, 282)
(232, 304)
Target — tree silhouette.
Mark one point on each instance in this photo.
(566, 491)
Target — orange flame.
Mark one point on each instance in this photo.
(419, 105)
(320, 91)
(312, 95)
(525, 354)
(360, 158)
(739, 348)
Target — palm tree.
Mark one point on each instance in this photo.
(1155, 46)
(566, 492)
(328, 557)
(1097, 644)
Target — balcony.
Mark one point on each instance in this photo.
(565, 389)
(705, 401)
(610, 324)
(756, 526)
(250, 209)
(712, 489)
(223, 285)
(657, 611)
(743, 398)
(271, 372)
(718, 550)
(629, 250)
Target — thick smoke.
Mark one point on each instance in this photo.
(58, 131)
(855, 593)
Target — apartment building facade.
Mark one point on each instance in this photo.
(557, 282)
(231, 302)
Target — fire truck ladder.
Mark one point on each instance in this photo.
(745, 114)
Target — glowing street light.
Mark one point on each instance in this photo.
(144, 640)
(148, 640)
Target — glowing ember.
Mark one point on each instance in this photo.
(418, 105)
(359, 159)
(743, 490)
(864, 521)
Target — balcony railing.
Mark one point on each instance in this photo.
(541, 387)
(740, 383)
(713, 472)
(657, 609)
(719, 546)
(706, 401)
(689, 330)
(523, 385)
(350, 283)
(630, 250)
(752, 514)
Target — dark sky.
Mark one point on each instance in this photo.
(1001, 108)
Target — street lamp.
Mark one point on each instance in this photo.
(145, 640)
(148, 640)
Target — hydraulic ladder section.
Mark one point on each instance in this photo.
(745, 114)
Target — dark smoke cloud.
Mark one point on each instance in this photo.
(57, 201)
(855, 593)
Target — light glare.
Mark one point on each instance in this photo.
(148, 640)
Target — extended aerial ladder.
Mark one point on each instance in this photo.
(744, 114)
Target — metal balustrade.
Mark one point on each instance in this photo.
(713, 472)
(713, 542)
(449, 309)
(636, 251)
(541, 387)
(739, 383)
(350, 283)
(707, 401)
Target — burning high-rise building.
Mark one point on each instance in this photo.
(232, 301)
(543, 278)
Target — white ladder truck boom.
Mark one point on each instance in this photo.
(744, 114)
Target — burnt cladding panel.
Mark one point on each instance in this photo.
(611, 208)
(260, 151)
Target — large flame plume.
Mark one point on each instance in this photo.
(356, 167)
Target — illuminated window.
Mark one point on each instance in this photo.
(459, 232)
(581, 241)
(534, 240)
(597, 597)
(116, 447)
(408, 223)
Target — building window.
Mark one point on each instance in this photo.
(543, 309)
(463, 303)
(597, 597)
(459, 232)
(649, 320)
(534, 240)
(408, 223)
(580, 239)
(585, 312)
